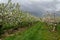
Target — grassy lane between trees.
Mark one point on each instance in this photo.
(37, 32)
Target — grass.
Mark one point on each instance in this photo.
(37, 32)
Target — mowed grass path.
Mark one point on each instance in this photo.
(37, 32)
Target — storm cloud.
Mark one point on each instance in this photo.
(37, 6)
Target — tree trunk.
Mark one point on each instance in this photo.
(54, 27)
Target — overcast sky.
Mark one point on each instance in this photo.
(46, 4)
(37, 5)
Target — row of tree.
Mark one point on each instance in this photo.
(11, 16)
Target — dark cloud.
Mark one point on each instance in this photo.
(38, 7)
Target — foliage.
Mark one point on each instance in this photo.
(12, 16)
